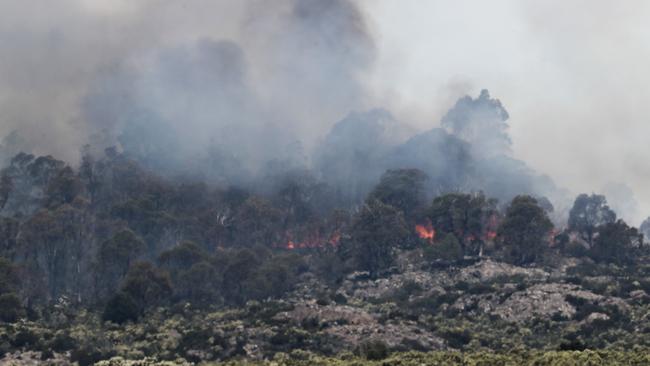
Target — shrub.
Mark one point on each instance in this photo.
(63, 342)
(11, 308)
(448, 249)
(121, 308)
(575, 249)
(24, 337)
(373, 350)
(87, 356)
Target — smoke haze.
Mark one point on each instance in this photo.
(224, 87)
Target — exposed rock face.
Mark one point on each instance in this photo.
(393, 334)
(354, 326)
(538, 301)
(334, 314)
(365, 290)
(489, 270)
(595, 317)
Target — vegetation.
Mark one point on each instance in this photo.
(112, 262)
(524, 231)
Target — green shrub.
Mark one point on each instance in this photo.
(63, 342)
(373, 350)
(575, 249)
(448, 249)
(121, 308)
(25, 337)
(11, 308)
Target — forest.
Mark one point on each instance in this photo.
(111, 260)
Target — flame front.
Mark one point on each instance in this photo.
(490, 235)
(425, 232)
(312, 242)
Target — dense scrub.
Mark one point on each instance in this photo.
(523, 358)
(111, 260)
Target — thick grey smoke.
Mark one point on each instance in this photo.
(472, 154)
(228, 90)
(481, 122)
(572, 75)
(171, 78)
(621, 199)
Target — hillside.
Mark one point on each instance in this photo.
(112, 260)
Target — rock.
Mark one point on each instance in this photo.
(375, 289)
(639, 295)
(329, 313)
(488, 270)
(538, 301)
(546, 300)
(354, 326)
(393, 334)
(595, 316)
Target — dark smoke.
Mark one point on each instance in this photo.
(256, 103)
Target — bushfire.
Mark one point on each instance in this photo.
(490, 235)
(426, 232)
(315, 241)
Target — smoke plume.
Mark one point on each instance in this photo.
(230, 91)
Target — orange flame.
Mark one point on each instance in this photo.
(313, 241)
(425, 232)
(335, 239)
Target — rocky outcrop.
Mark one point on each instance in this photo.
(538, 301)
(488, 270)
(376, 289)
(354, 325)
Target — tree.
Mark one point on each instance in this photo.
(587, 214)
(482, 122)
(9, 230)
(448, 249)
(402, 189)
(198, 284)
(25, 183)
(299, 195)
(63, 188)
(524, 230)
(468, 216)
(239, 267)
(53, 249)
(11, 308)
(377, 230)
(147, 285)
(115, 257)
(121, 308)
(194, 277)
(8, 276)
(182, 256)
(645, 228)
(616, 242)
(257, 222)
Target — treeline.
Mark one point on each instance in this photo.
(115, 237)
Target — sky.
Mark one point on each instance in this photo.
(573, 75)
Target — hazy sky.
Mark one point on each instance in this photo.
(572, 74)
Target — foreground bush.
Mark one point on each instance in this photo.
(532, 358)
